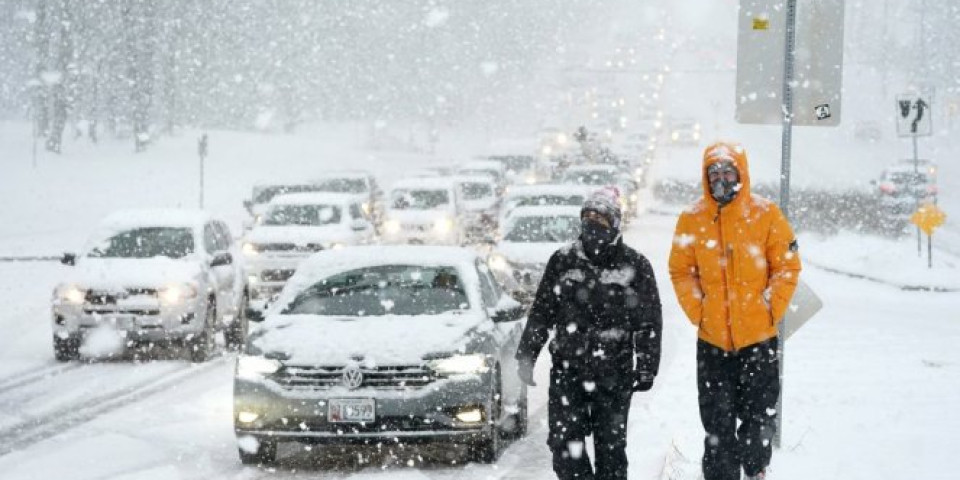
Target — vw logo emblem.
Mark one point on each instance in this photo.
(352, 377)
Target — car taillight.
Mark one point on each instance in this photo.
(932, 189)
(887, 188)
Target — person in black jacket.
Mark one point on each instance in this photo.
(600, 299)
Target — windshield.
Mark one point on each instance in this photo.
(307, 215)
(476, 191)
(343, 185)
(265, 194)
(419, 199)
(475, 171)
(544, 200)
(593, 177)
(383, 290)
(146, 243)
(543, 230)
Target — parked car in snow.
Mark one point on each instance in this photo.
(383, 346)
(152, 277)
(295, 226)
(480, 205)
(360, 184)
(530, 236)
(592, 175)
(685, 132)
(423, 211)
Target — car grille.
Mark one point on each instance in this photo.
(277, 275)
(102, 297)
(289, 247)
(298, 377)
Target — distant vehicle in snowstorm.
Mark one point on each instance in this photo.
(263, 193)
(902, 186)
(520, 169)
(384, 346)
(480, 205)
(685, 132)
(529, 237)
(295, 226)
(543, 195)
(362, 185)
(497, 171)
(152, 277)
(426, 211)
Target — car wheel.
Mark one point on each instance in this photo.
(65, 350)
(265, 454)
(487, 448)
(236, 333)
(521, 422)
(202, 344)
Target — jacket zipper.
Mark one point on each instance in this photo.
(726, 284)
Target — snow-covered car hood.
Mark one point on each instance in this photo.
(418, 216)
(527, 253)
(121, 273)
(382, 340)
(299, 235)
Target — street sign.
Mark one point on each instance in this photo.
(928, 217)
(914, 115)
(818, 73)
(803, 306)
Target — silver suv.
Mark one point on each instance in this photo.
(150, 277)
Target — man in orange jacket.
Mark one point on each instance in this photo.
(734, 266)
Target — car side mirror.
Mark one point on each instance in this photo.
(248, 205)
(221, 259)
(69, 259)
(359, 225)
(254, 315)
(508, 310)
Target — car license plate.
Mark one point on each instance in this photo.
(351, 410)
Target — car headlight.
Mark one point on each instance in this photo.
(177, 293)
(530, 180)
(696, 135)
(391, 227)
(70, 294)
(634, 197)
(250, 250)
(499, 263)
(546, 150)
(675, 135)
(443, 226)
(252, 367)
(562, 139)
(460, 364)
(336, 246)
(638, 171)
(366, 207)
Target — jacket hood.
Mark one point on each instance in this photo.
(735, 153)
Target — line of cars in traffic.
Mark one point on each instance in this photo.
(377, 316)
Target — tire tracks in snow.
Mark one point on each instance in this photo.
(34, 375)
(41, 427)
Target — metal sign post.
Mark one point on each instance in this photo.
(202, 151)
(913, 120)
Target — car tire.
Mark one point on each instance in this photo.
(236, 333)
(65, 350)
(487, 448)
(201, 345)
(266, 453)
(521, 421)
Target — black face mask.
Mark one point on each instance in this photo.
(724, 191)
(596, 239)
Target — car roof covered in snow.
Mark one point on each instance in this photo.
(156, 217)
(313, 198)
(482, 165)
(548, 189)
(426, 183)
(345, 174)
(593, 168)
(545, 211)
(472, 179)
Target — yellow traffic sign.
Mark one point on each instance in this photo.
(928, 217)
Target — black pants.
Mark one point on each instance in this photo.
(742, 385)
(580, 406)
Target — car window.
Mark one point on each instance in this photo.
(222, 232)
(383, 290)
(355, 211)
(546, 229)
(304, 215)
(146, 242)
(209, 238)
(419, 199)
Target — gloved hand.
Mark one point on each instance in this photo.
(642, 381)
(525, 371)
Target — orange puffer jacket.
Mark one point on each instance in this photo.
(734, 268)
